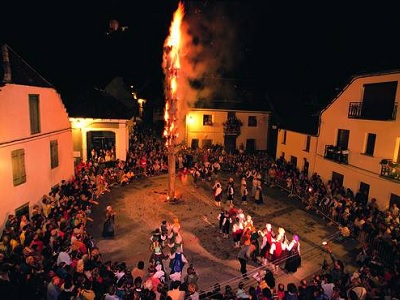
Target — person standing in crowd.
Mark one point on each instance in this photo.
(221, 217)
(177, 262)
(294, 259)
(158, 256)
(244, 194)
(54, 288)
(191, 278)
(258, 197)
(254, 183)
(109, 223)
(277, 248)
(243, 257)
(237, 230)
(230, 191)
(217, 193)
(138, 271)
(243, 183)
(226, 224)
(267, 237)
(175, 293)
(272, 175)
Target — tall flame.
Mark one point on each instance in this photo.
(171, 66)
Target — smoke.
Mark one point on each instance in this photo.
(212, 52)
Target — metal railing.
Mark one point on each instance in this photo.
(356, 111)
(386, 249)
(336, 154)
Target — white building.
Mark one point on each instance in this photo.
(358, 138)
(99, 121)
(35, 136)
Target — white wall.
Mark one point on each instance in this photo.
(295, 146)
(15, 134)
(361, 167)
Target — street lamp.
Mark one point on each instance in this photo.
(189, 122)
(141, 103)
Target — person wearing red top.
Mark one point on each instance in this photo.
(37, 244)
(268, 235)
(277, 247)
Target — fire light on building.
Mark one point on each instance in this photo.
(171, 66)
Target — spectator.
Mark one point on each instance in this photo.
(175, 293)
(54, 288)
(241, 293)
(291, 293)
(139, 271)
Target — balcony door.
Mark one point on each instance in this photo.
(364, 188)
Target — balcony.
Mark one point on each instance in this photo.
(232, 126)
(390, 169)
(336, 154)
(356, 112)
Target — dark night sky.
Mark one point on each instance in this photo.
(307, 46)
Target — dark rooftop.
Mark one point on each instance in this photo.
(98, 104)
(14, 70)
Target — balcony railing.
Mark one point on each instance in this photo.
(356, 112)
(390, 169)
(232, 126)
(336, 154)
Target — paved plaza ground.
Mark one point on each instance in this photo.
(142, 205)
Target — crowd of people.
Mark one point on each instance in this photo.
(49, 254)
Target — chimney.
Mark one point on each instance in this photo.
(6, 64)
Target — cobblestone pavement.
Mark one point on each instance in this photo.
(142, 205)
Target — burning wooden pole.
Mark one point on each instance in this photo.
(171, 66)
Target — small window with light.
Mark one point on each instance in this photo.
(207, 120)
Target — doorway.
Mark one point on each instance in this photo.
(100, 140)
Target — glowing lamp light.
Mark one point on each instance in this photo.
(141, 102)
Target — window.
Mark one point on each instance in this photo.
(207, 120)
(34, 113)
(18, 166)
(308, 140)
(370, 144)
(379, 100)
(252, 122)
(284, 137)
(54, 153)
(343, 139)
